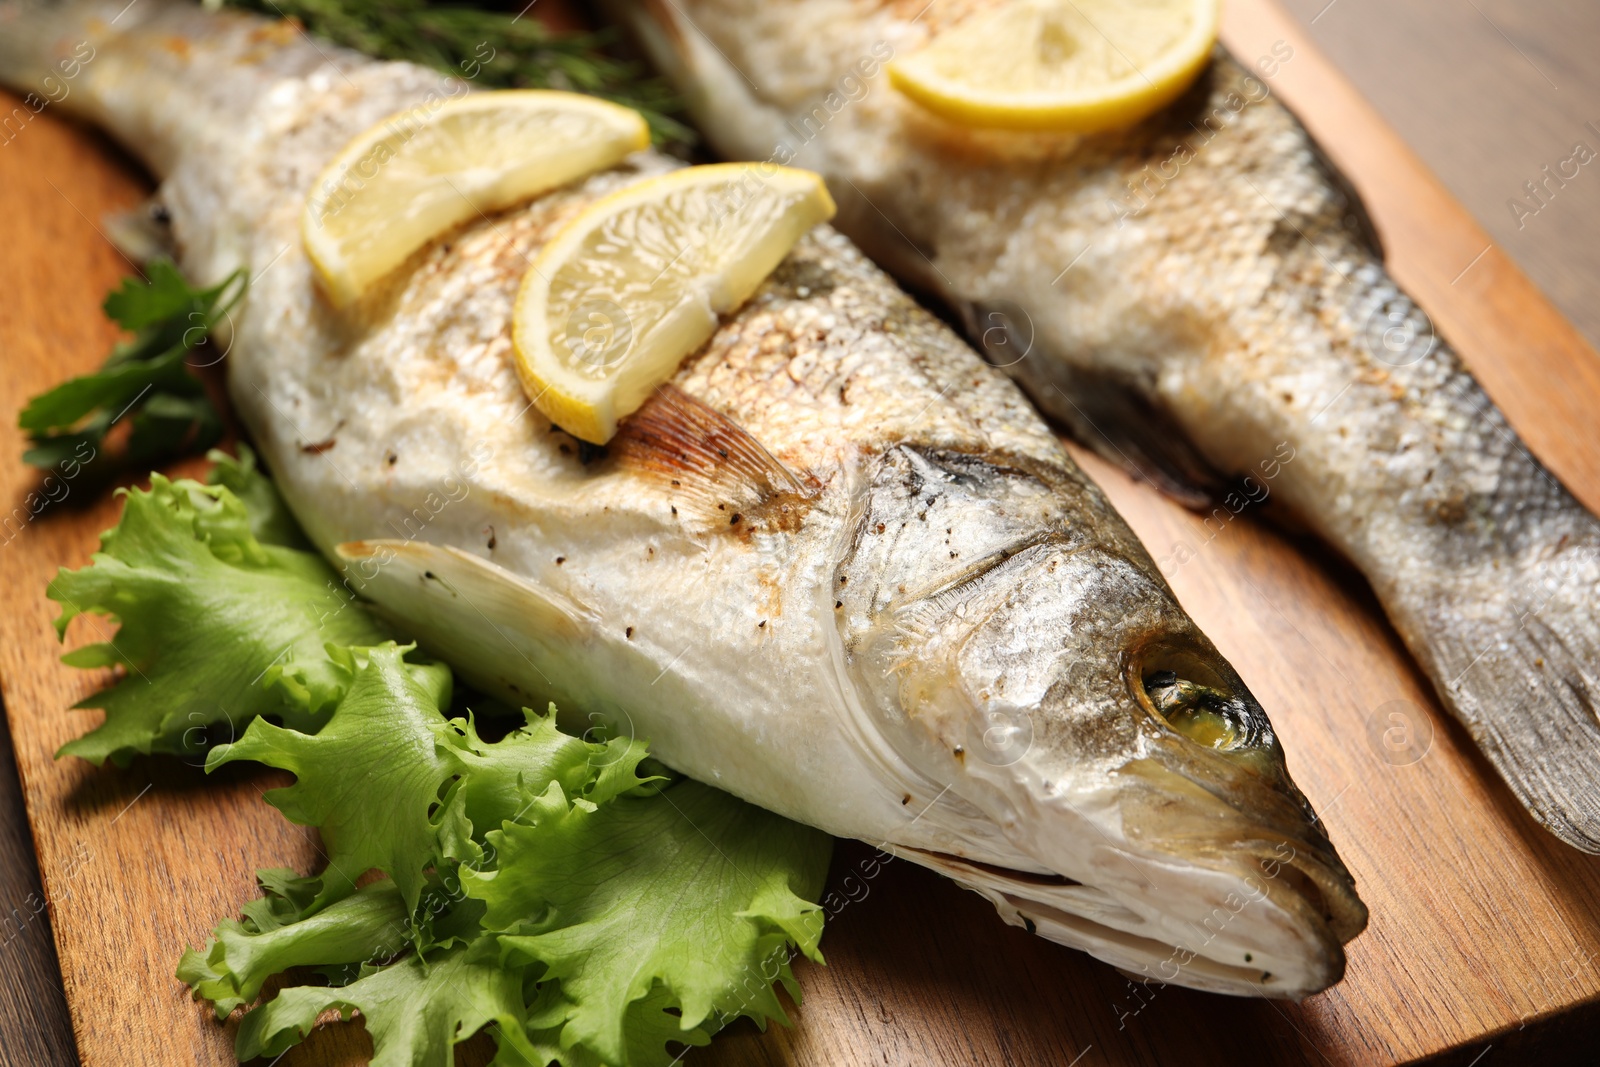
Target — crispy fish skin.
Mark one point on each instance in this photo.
(839, 567)
(1195, 298)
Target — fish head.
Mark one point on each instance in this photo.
(1072, 746)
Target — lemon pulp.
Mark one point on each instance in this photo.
(420, 173)
(1080, 65)
(636, 282)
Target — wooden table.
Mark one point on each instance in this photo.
(1483, 927)
(1488, 92)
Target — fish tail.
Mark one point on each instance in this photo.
(120, 64)
(1513, 646)
(31, 34)
(56, 53)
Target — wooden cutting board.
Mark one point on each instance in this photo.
(1483, 927)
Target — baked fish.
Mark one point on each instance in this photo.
(838, 566)
(1194, 298)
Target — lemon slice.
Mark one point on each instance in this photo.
(1080, 65)
(636, 282)
(421, 172)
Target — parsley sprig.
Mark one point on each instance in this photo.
(148, 380)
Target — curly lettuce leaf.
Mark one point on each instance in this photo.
(415, 1010)
(370, 925)
(690, 889)
(647, 919)
(374, 779)
(270, 519)
(370, 778)
(496, 782)
(652, 1023)
(542, 886)
(205, 609)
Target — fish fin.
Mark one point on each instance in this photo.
(1521, 670)
(1355, 214)
(142, 232)
(660, 15)
(1228, 68)
(1119, 420)
(714, 472)
(504, 632)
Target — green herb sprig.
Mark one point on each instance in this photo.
(147, 380)
(492, 49)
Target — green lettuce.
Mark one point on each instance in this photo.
(416, 1010)
(618, 902)
(206, 607)
(572, 882)
(542, 887)
(370, 924)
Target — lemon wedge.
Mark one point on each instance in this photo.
(1079, 65)
(637, 280)
(421, 172)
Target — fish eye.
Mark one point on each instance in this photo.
(1204, 715)
(1180, 685)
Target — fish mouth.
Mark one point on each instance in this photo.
(1116, 786)
(1196, 862)
(1283, 939)
(1220, 750)
(1209, 811)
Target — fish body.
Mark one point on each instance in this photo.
(838, 566)
(1197, 298)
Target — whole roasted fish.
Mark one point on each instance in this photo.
(1194, 298)
(838, 567)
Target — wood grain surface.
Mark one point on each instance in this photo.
(1483, 927)
(34, 1025)
(1488, 93)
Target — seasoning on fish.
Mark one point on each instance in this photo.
(1193, 297)
(837, 566)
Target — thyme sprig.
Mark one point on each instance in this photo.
(495, 49)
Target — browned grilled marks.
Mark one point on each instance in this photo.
(827, 363)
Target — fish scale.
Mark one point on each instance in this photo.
(722, 581)
(1196, 295)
